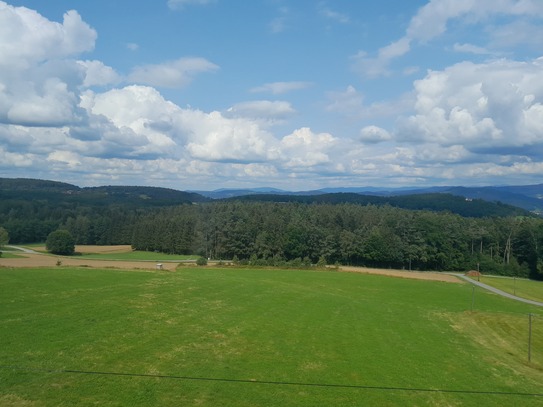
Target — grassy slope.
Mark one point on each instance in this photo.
(288, 326)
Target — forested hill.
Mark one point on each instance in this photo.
(35, 185)
(437, 202)
(66, 195)
(63, 193)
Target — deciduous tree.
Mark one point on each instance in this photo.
(60, 242)
(4, 237)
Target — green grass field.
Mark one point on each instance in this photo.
(10, 255)
(228, 337)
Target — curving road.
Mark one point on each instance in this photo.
(22, 249)
(499, 292)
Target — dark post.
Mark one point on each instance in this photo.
(529, 337)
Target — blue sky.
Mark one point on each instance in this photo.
(292, 94)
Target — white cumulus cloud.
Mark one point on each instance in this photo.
(304, 148)
(39, 76)
(217, 138)
(488, 107)
(374, 134)
(98, 74)
(27, 37)
(140, 122)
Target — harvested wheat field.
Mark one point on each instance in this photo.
(417, 275)
(43, 260)
(87, 249)
(46, 260)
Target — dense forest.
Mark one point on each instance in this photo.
(416, 233)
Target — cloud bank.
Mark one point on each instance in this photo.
(66, 116)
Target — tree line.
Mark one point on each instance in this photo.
(375, 236)
(273, 232)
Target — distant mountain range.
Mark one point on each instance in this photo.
(528, 197)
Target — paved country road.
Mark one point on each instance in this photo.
(499, 292)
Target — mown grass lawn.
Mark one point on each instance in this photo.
(227, 337)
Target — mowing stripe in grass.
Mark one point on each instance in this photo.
(277, 383)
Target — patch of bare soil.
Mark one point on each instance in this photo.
(417, 275)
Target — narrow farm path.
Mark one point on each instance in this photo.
(497, 291)
(22, 249)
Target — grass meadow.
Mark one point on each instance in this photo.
(229, 337)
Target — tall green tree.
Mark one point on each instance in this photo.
(4, 237)
(60, 242)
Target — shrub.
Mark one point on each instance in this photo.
(4, 237)
(201, 261)
(322, 262)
